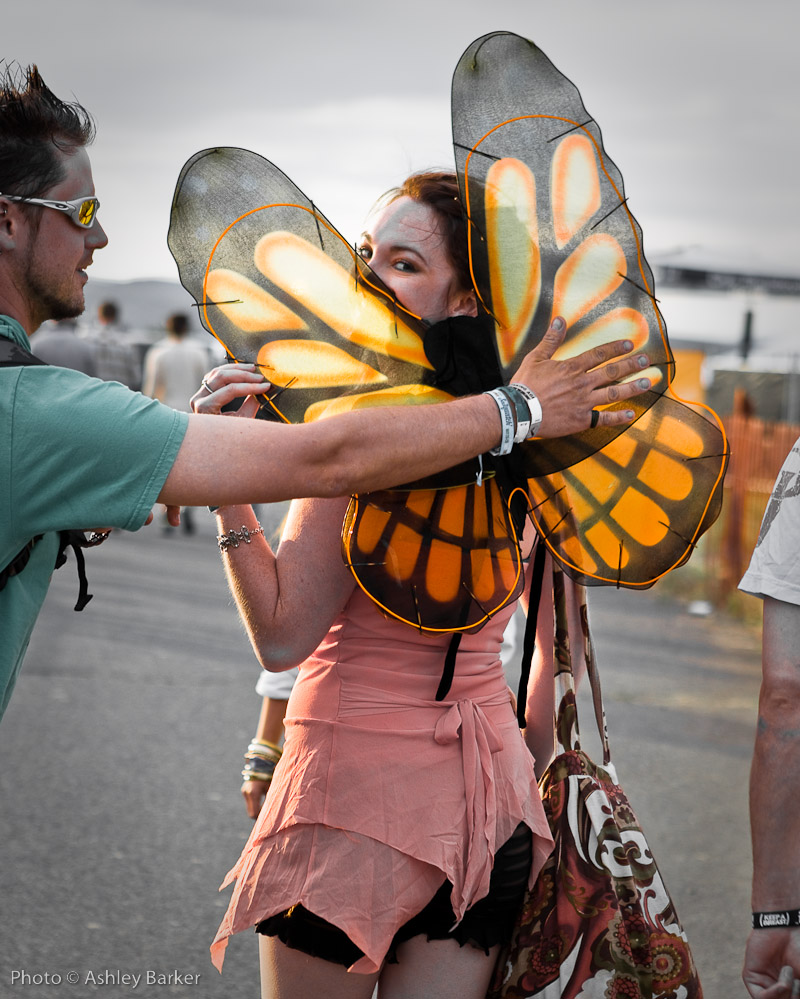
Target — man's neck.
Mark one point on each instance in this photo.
(12, 309)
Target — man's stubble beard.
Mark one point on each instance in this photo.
(52, 303)
(60, 309)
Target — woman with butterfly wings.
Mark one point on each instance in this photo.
(379, 798)
(403, 822)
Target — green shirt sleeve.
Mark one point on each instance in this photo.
(86, 453)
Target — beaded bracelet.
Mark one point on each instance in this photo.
(234, 538)
(262, 747)
(776, 920)
(506, 420)
(260, 760)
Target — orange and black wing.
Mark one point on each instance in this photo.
(277, 285)
(635, 509)
(549, 228)
(551, 233)
(440, 560)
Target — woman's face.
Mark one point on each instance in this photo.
(405, 247)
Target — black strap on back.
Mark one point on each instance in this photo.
(529, 641)
(14, 356)
(465, 361)
(449, 666)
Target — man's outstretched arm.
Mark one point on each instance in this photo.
(224, 461)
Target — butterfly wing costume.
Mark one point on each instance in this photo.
(550, 233)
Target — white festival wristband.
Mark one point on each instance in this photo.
(521, 411)
(534, 406)
(506, 421)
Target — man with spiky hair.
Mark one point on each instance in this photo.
(77, 452)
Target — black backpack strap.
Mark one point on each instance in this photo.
(77, 541)
(14, 356)
(18, 563)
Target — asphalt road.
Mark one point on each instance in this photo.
(121, 750)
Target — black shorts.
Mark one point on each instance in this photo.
(486, 923)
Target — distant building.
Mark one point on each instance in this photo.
(700, 279)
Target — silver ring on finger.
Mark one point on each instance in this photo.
(594, 418)
(206, 386)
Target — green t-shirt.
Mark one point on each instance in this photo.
(75, 452)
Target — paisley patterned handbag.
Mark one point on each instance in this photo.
(598, 923)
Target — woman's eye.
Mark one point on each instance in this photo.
(404, 265)
(365, 252)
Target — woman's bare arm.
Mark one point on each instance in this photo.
(289, 599)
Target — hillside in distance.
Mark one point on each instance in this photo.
(710, 319)
(143, 305)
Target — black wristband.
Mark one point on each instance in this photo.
(776, 920)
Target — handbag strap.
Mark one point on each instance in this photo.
(569, 605)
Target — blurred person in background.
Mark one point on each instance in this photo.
(115, 358)
(57, 342)
(174, 366)
(172, 369)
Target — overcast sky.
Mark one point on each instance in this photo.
(697, 99)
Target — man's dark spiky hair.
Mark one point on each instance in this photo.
(34, 126)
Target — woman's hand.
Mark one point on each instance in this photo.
(254, 793)
(570, 390)
(228, 382)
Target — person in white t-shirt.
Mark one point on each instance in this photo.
(772, 958)
(175, 366)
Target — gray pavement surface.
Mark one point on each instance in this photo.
(120, 756)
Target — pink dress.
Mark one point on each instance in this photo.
(382, 792)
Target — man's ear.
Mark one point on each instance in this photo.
(464, 303)
(8, 225)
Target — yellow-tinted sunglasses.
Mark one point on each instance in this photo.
(82, 211)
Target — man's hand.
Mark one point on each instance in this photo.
(172, 513)
(772, 964)
(569, 390)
